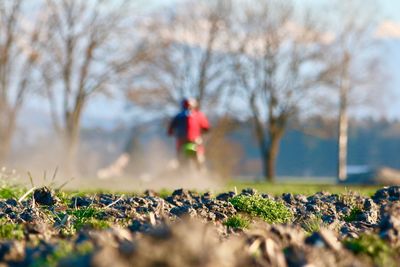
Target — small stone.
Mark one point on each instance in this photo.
(301, 198)
(27, 216)
(288, 198)
(369, 204)
(135, 226)
(207, 196)
(394, 192)
(348, 230)
(80, 202)
(181, 192)
(390, 224)
(329, 219)
(182, 211)
(249, 192)
(12, 202)
(220, 216)
(225, 196)
(267, 196)
(106, 199)
(370, 217)
(312, 208)
(142, 210)
(45, 196)
(36, 228)
(324, 238)
(381, 195)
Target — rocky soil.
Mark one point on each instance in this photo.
(191, 229)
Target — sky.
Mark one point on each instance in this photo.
(119, 112)
(389, 17)
(391, 9)
(388, 34)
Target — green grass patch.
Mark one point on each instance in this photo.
(88, 217)
(95, 224)
(313, 224)
(237, 222)
(354, 213)
(269, 210)
(64, 197)
(351, 199)
(64, 250)
(9, 191)
(304, 188)
(373, 246)
(84, 213)
(163, 193)
(11, 231)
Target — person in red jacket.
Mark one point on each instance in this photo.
(187, 127)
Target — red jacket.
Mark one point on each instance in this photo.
(189, 125)
(197, 124)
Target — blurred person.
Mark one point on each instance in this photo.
(188, 127)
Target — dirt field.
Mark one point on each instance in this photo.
(42, 227)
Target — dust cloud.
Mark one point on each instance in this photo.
(152, 169)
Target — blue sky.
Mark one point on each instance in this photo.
(391, 9)
(116, 110)
(388, 10)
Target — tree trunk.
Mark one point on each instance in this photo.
(343, 121)
(270, 157)
(6, 136)
(5, 146)
(343, 136)
(71, 149)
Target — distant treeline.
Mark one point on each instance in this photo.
(305, 151)
(371, 143)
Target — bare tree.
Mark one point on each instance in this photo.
(83, 58)
(19, 36)
(353, 66)
(187, 56)
(277, 65)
